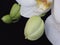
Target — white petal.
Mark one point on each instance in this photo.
(27, 2)
(28, 11)
(52, 31)
(31, 11)
(57, 10)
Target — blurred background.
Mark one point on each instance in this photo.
(14, 33)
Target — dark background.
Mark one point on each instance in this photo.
(14, 33)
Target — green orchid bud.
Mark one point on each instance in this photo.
(6, 19)
(34, 28)
(14, 13)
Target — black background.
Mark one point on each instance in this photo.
(14, 33)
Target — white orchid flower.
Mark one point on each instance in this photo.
(34, 7)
